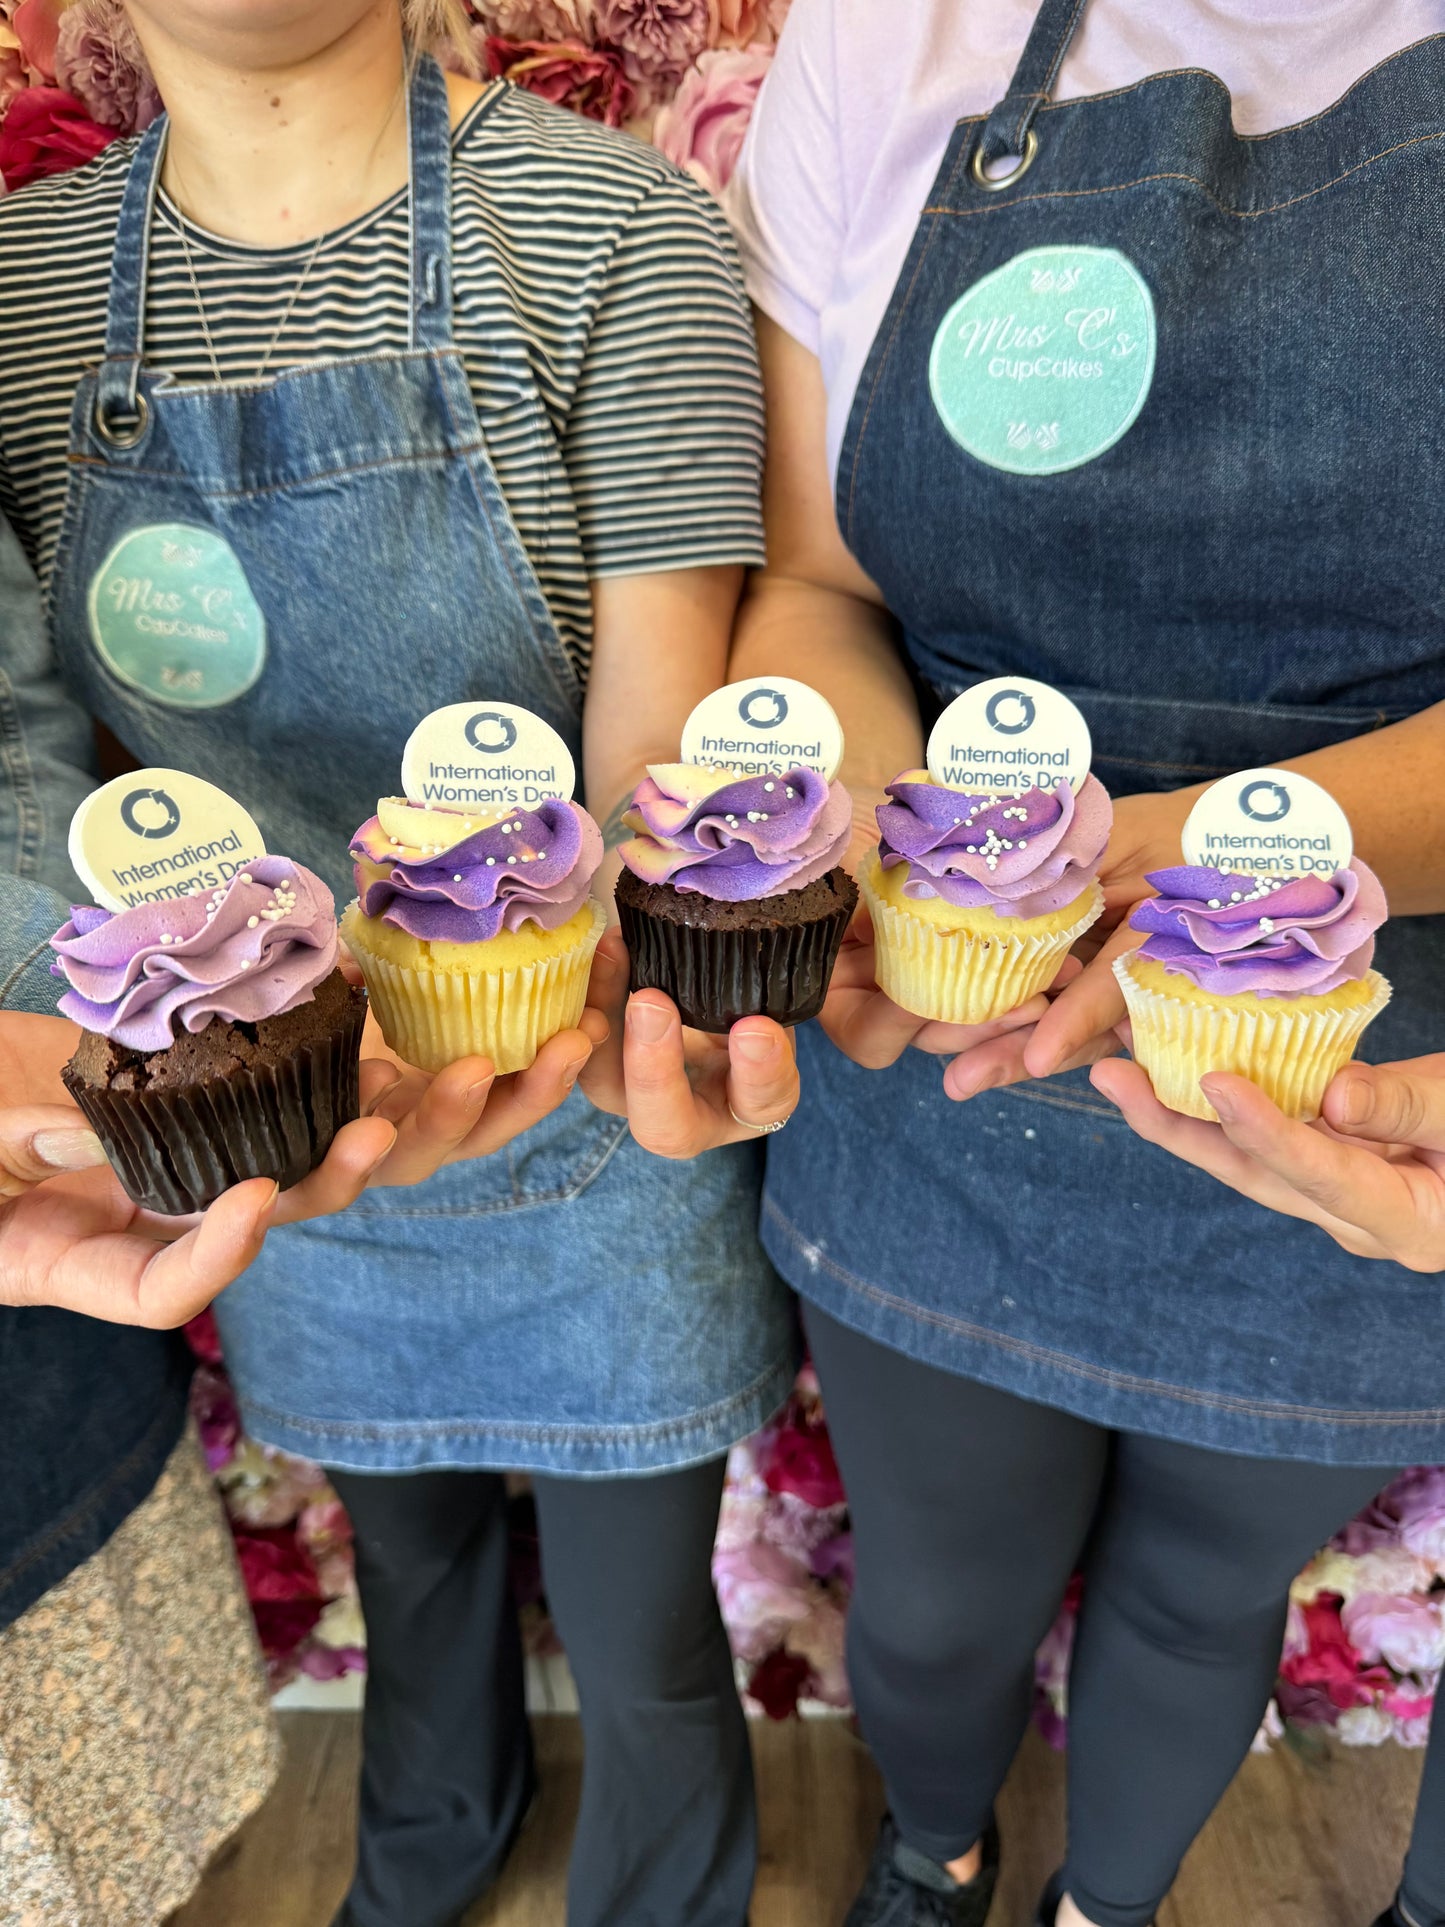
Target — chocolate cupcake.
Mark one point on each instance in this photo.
(732, 900)
(222, 1040)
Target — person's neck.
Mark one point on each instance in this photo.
(274, 156)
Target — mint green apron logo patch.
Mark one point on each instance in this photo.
(1046, 362)
(172, 614)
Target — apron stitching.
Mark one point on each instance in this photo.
(1079, 1368)
(20, 969)
(1146, 180)
(590, 1170)
(29, 813)
(292, 481)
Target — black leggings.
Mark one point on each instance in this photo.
(666, 1835)
(1423, 1895)
(971, 1509)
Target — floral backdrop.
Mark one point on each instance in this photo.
(1366, 1638)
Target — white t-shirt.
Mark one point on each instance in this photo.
(855, 117)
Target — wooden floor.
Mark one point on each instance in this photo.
(1312, 1841)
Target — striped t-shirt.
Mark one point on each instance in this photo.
(598, 309)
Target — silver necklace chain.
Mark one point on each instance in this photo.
(275, 341)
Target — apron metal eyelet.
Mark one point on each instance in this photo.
(993, 182)
(119, 434)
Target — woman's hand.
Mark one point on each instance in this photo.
(1082, 1021)
(1371, 1173)
(680, 1090)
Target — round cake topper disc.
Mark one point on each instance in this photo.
(763, 728)
(1268, 822)
(486, 756)
(159, 833)
(1009, 735)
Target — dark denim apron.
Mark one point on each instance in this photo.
(570, 1305)
(1251, 572)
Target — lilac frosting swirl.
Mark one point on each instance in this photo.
(1019, 856)
(736, 838)
(252, 949)
(1276, 936)
(531, 866)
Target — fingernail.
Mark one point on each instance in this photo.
(755, 1046)
(477, 1093)
(1354, 1099)
(572, 1072)
(69, 1150)
(1222, 1099)
(648, 1023)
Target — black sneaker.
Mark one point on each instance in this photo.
(906, 1889)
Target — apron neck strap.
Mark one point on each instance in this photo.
(429, 123)
(1009, 128)
(429, 128)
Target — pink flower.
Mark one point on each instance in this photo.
(98, 58)
(1330, 1673)
(1418, 1500)
(798, 1459)
(47, 132)
(589, 80)
(536, 19)
(762, 1592)
(702, 128)
(658, 39)
(13, 77)
(204, 1339)
(1407, 1634)
(36, 24)
(819, 1639)
(213, 1404)
(744, 23)
(323, 1662)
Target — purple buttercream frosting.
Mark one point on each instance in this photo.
(531, 866)
(736, 838)
(1276, 936)
(252, 949)
(1020, 856)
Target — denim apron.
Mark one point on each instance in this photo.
(1250, 572)
(570, 1305)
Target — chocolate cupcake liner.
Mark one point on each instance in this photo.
(716, 976)
(433, 1016)
(176, 1150)
(1291, 1054)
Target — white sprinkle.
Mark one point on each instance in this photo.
(1266, 924)
(491, 861)
(245, 878)
(251, 922)
(166, 937)
(506, 829)
(957, 820)
(788, 792)
(245, 963)
(511, 859)
(1234, 896)
(456, 876)
(770, 787)
(754, 816)
(1215, 904)
(1023, 843)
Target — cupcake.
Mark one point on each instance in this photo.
(1268, 977)
(732, 900)
(475, 938)
(977, 899)
(220, 1037)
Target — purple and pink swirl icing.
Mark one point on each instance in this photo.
(252, 949)
(531, 866)
(1019, 856)
(736, 838)
(1276, 936)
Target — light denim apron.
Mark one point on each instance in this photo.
(1251, 571)
(570, 1305)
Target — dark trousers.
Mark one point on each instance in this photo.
(1422, 1898)
(971, 1509)
(667, 1832)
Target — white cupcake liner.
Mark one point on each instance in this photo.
(432, 1017)
(1290, 1054)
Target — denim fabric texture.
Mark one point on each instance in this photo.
(1250, 573)
(570, 1305)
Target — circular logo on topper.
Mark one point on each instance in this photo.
(159, 833)
(486, 758)
(1047, 361)
(1268, 822)
(764, 728)
(1011, 712)
(1009, 735)
(490, 733)
(172, 615)
(764, 709)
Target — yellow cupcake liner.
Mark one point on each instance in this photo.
(1290, 1050)
(962, 975)
(431, 1016)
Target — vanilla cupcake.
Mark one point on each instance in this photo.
(1267, 977)
(475, 938)
(977, 899)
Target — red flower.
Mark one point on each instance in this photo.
(275, 1567)
(1332, 1666)
(778, 1683)
(283, 1625)
(589, 80)
(204, 1339)
(47, 131)
(799, 1459)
